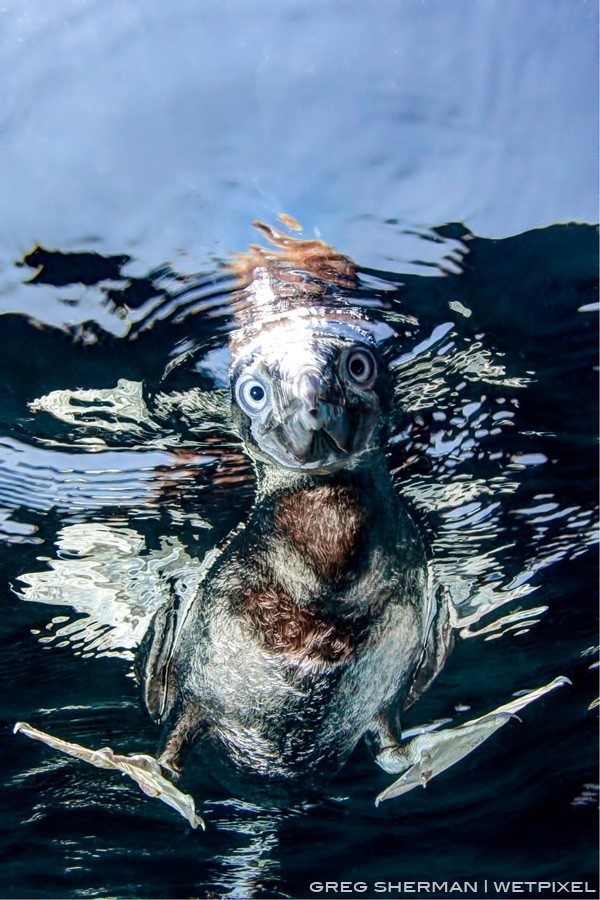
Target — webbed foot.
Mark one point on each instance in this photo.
(432, 752)
(144, 770)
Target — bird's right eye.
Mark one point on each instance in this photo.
(251, 394)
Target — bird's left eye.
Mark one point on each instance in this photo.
(251, 395)
(361, 367)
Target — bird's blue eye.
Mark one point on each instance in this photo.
(257, 393)
(251, 395)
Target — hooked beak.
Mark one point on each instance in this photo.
(316, 399)
(318, 421)
(313, 412)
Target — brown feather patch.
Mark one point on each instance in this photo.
(324, 524)
(295, 631)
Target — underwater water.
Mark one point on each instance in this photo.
(139, 143)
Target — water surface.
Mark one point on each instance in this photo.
(139, 142)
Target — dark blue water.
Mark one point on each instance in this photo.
(138, 143)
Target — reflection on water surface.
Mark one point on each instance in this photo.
(144, 476)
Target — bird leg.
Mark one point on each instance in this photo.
(431, 752)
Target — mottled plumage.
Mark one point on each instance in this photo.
(318, 619)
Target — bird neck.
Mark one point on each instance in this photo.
(367, 473)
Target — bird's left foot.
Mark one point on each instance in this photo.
(431, 752)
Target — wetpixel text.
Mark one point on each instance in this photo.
(479, 888)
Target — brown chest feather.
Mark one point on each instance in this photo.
(299, 632)
(325, 525)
